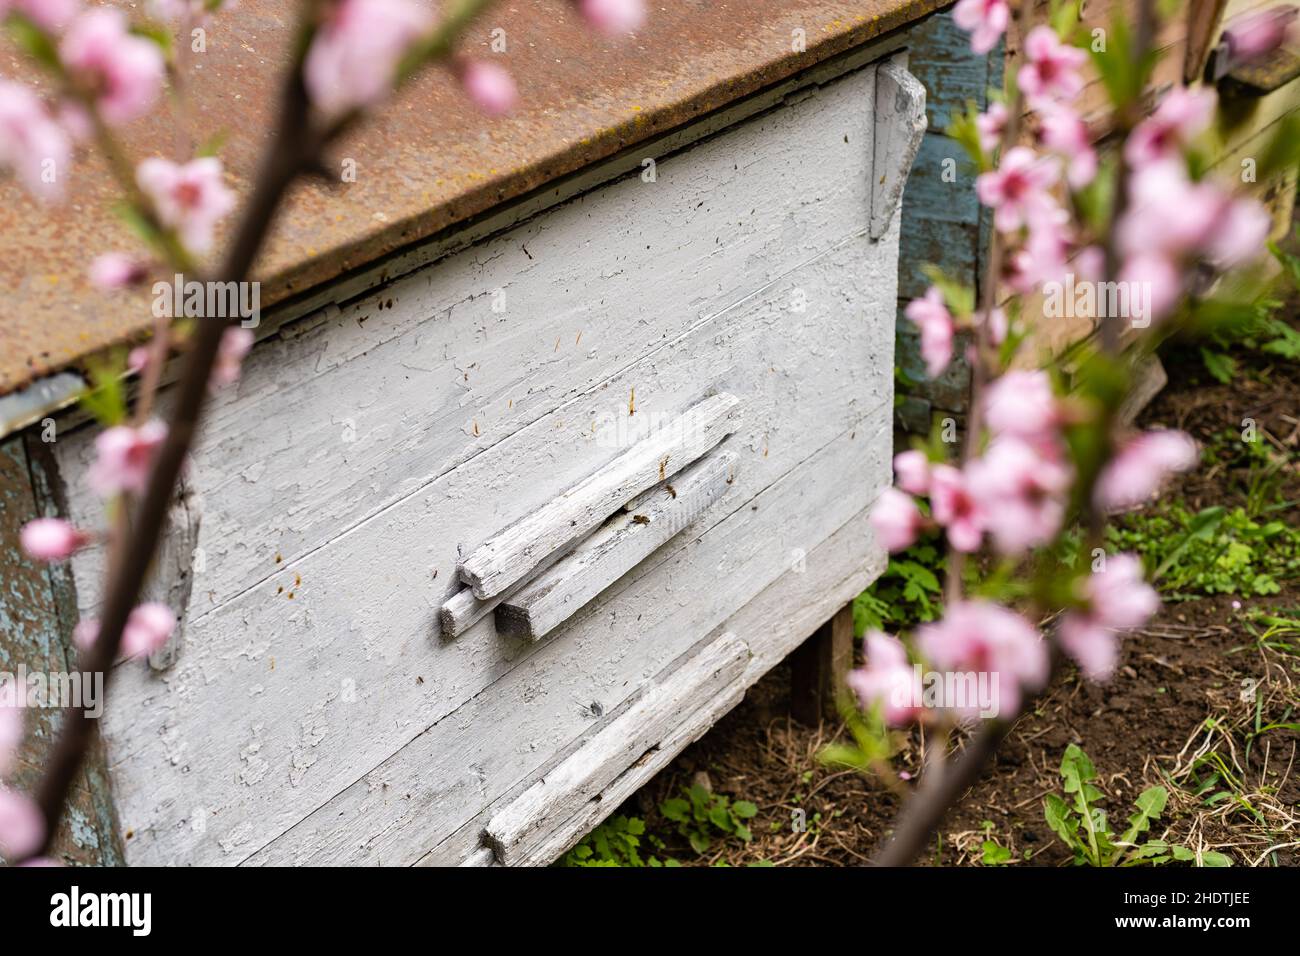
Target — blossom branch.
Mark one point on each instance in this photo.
(295, 148)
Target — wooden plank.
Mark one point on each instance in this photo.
(515, 831)
(818, 667)
(322, 687)
(395, 389)
(463, 610)
(429, 790)
(779, 619)
(685, 730)
(551, 598)
(171, 579)
(35, 628)
(900, 126)
(304, 685)
(508, 557)
(1204, 21)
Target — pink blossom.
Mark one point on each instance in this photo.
(1018, 189)
(51, 539)
(138, 359)
(1116, 598)
(147, 629)
(1171, 215)
(75, 120)
(955, 508)
(235, 345)
(1044, 256)
(22, 826)
(1258, 33)
(1181, 116)
(987, 639)
(912, 469)
(1062, 131)
(117, 270)
(896, 519)
(1051, 69)
(886, 680)
(124, 457)
(1141, 467)
(1158, 280)
(1022, 403)
(191, 198)
(1090, 263)
(1020, 492)
(1119, 595)
(1241, 235)
(489, 86)
(123, 72)
(984, 20)
(613, 17)
(50, 15)
(931, 317)
(990, 125)
(1167, 212)
(354, 56)
(32, 143)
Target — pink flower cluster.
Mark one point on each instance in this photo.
(1141, 466)
(1115, 599)
(354, 57)
(121, 72)
(887, 680)
(190, 198)
(1015, 491)
(984, 638)
(147, 629)
(124, 456)
(32, 142)
(1173, 222)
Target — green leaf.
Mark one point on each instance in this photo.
(675, 809)
(1062, 822)
(34, 41)
(1150, 804)
(993, 854)
(1222, 367)
(744, 809)
(960, 298)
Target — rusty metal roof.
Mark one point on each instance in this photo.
(427, 161)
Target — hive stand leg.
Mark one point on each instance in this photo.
(818, 666)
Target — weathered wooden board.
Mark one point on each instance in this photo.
(776, 622)
(36, 602)
(427, 792)
(686, 729)
(546, 601)
(368, 406)
(900, 125)
(507, 558)
(516, 832)
(301, 687)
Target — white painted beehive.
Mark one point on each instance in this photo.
(541, 509)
